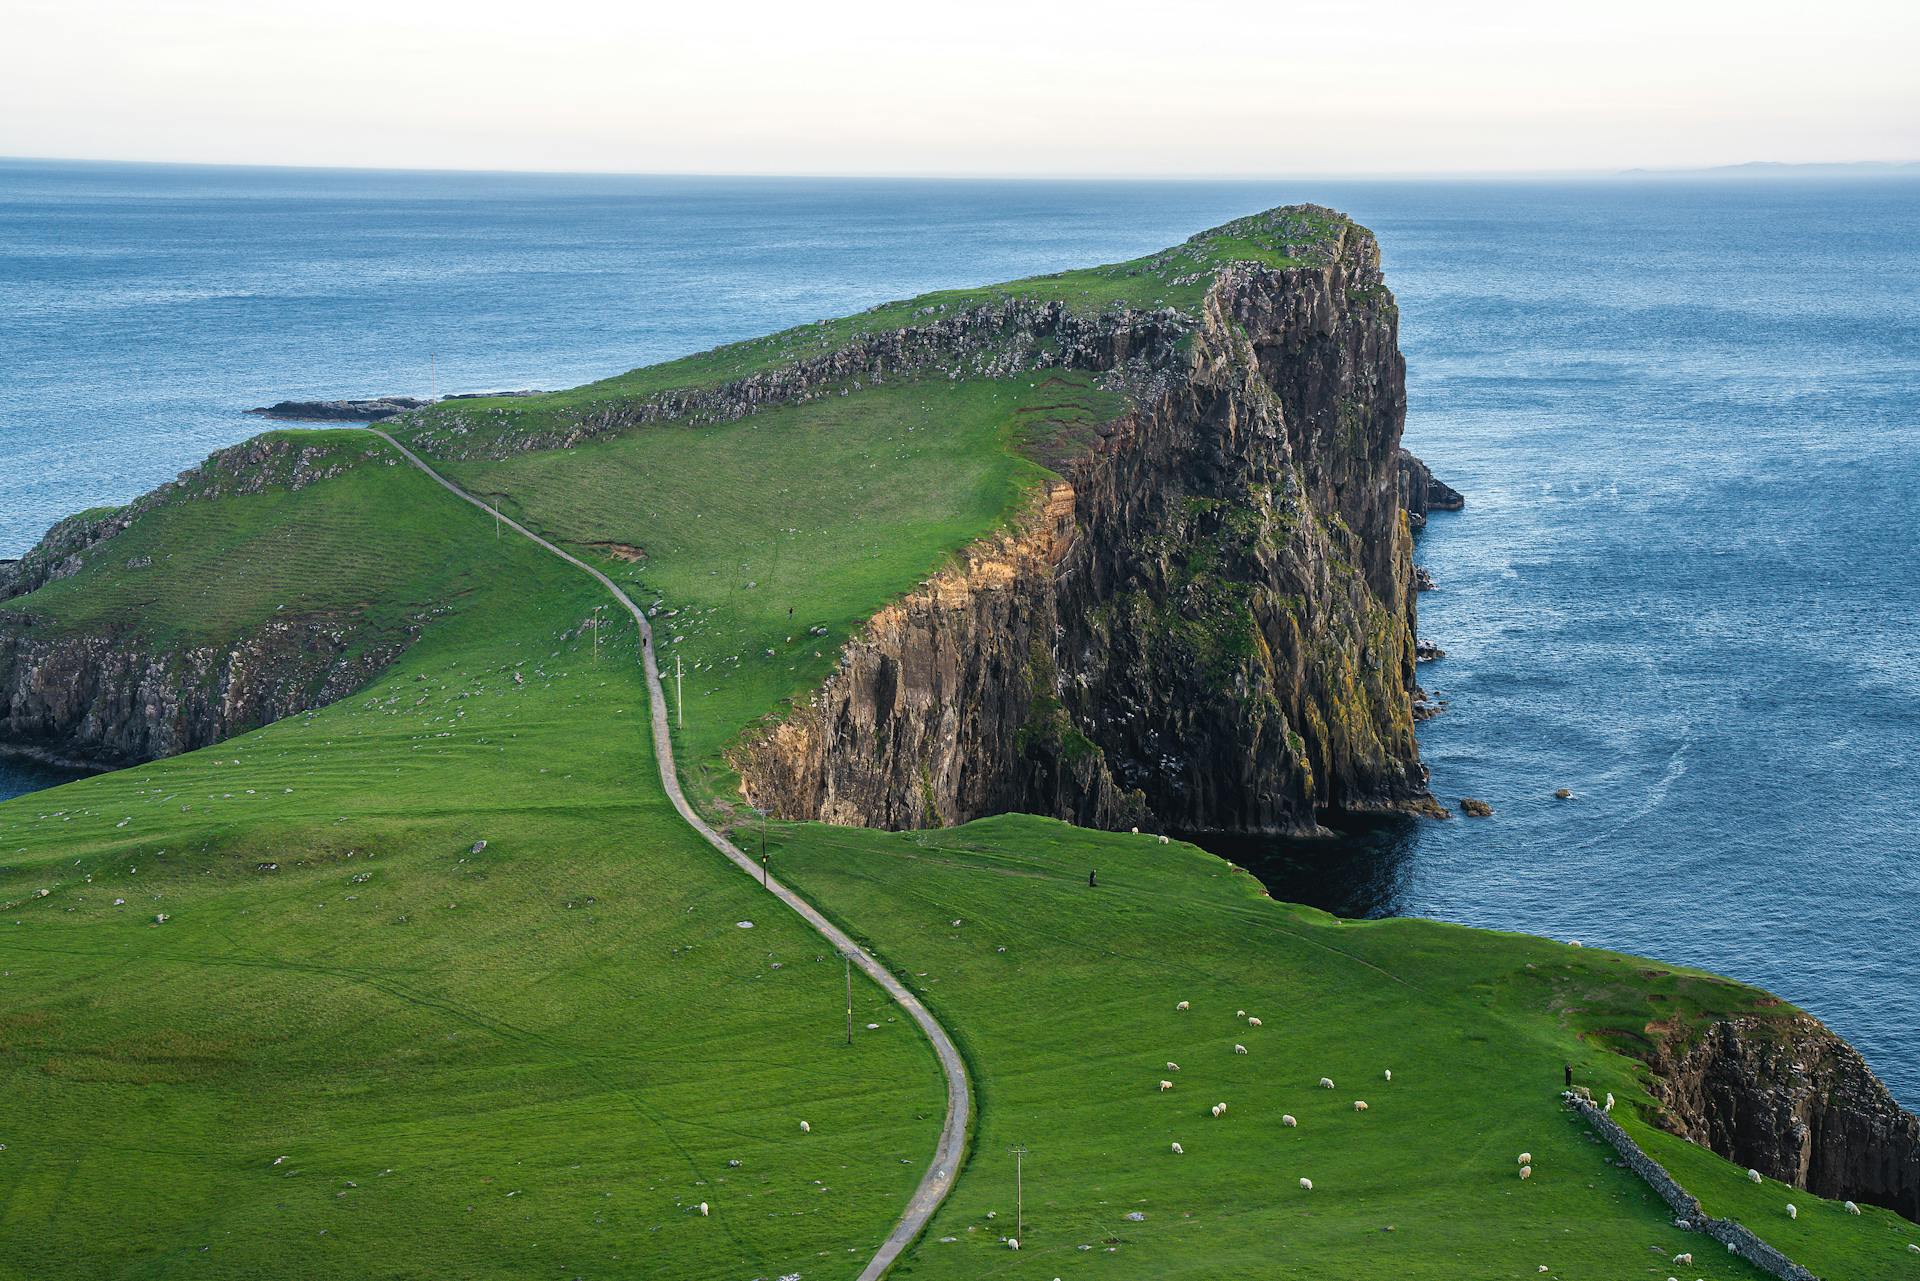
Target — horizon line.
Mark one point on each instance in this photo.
(1777, 168)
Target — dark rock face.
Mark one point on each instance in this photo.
(370, 410)
(1208, 624)
(1421, 492)
(1790, 1099)
(114, 700)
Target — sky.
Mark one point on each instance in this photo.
(1061, 88)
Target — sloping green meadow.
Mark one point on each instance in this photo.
(1065, 997)
(357, 1048)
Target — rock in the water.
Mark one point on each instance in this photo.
(1563, 794)
(1474, 808)
(1427, 652)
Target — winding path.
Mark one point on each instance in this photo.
(939, 1178)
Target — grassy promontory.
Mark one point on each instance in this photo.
(362, 1044)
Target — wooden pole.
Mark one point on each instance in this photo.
(848, 958)
(679, 694)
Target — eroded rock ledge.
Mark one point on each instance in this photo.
(1208, 623)
(1789, 1098)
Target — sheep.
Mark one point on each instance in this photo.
(1526, 1172)
(1525, 1158)
(805, 1128)
(1388, 1074)
(1913, 1249)
(1306, 1185)
(1217, 1109)
(1287, 1119)
(1753, 1176)
(1683, 1258)
(1793, 1211)
(1252, 1022)
(1326, 1083)
(1181, 1007)
(1172, 1066)
(1178, 1150)
(1163, 840)
(1359, 1105)
(1013, 1243)
(1239, 1014)
(1609, 1106)
(1239, 1049)
(1134, 830)
(1852, 1208)
(705, 1209)
(1165, 1086)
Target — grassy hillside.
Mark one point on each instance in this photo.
(1175, 278)
(785, 531)
(210, 562)
(1064, 999)
(526, 1061)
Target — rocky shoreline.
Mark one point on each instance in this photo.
(366, 409)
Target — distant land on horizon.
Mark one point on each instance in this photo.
(1789, 169)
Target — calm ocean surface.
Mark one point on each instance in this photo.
(1686, 584)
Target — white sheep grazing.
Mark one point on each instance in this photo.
(1013, 1243)
(1525, 1158)
(1218, 1108)
(1359, 1105)
(1913, 1249)
(1306, 1185)
(1388, 1074)
(805, 1128)
(1326, 1083)
(1178, 1150)
(1163, 840)
(1609, 1106)
(1181, 1006)
(1852, 1208)
(1526, 1172)
(704, 1209)
(1252, 1022)
(1239, 1049)
(1683, 1258)
(1165, 1086)
(1793, 1211)
(1753, 1176)
(1239, 1014)
(1287, 1120)
(1172, 1066)
(1134, 830)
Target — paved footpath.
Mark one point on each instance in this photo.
(938, 1180)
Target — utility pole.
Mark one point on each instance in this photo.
(433, 375)
(596, 634)
(679, 694)
(763, 845)
(848, 958)
(1019, 1151)
(496, 518)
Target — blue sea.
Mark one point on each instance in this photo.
(1686, 415)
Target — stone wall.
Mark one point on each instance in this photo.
(1736, 1237)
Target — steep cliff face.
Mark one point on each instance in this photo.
(115, 699)
(1208, 623)
(1790, 1099)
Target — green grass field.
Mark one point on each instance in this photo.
(1064, 1000)
(536, 1058)
(529, 1061)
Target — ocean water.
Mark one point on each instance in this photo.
(1684, 414)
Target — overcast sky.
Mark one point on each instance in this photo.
(1180, 87)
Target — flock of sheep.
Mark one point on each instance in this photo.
(1288, 1120)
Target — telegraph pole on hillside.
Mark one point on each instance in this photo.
(679, 694)
(848, 958)
(595, 620)
(1019, 1151)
